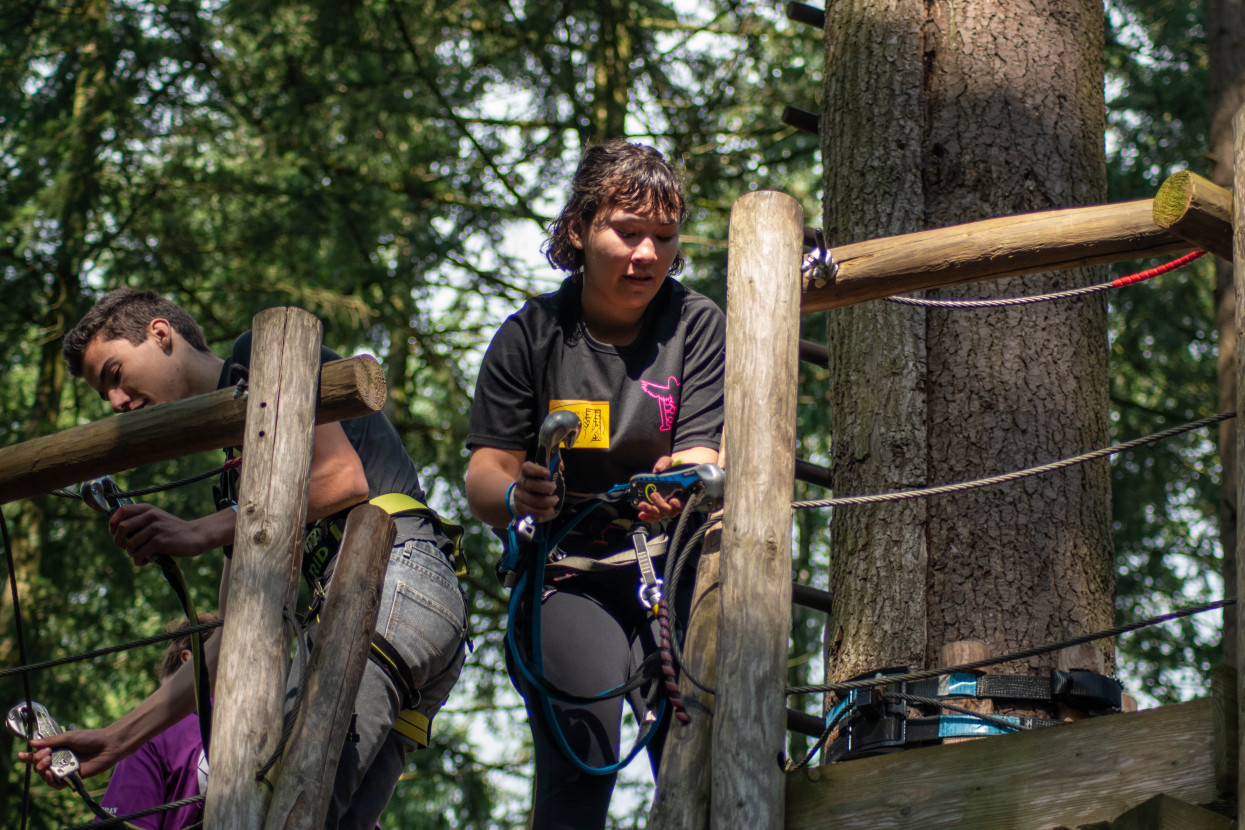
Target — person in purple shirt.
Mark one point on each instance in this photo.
(171, 766)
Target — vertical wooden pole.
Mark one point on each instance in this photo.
(762, 334)
(683, 783)
(1238, 279)
(301, 798)
(276, 461)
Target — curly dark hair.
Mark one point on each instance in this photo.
(126, 313)
(616, 174)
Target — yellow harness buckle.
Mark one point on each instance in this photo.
(414, 725)
(397, 504)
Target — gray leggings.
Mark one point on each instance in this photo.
(593, 638)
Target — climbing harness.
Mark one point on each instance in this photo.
(532, 557)
(104, 496)
(886, 718)
(320, 547)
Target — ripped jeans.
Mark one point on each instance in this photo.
(423, 615)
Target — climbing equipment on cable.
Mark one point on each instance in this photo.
(34, 721)
(677, 483)
(30, 720)
(558, 431)
(888, 718)
(532, 555)
(104, 496)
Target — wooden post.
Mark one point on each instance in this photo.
(762, 333)
(1238, 279)
(348, 388)
(990, 249)
(301, 798)
(1225, 741)
(1196, 209)
(254, 654)
(683, 783)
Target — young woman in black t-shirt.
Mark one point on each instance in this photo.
(639, 358)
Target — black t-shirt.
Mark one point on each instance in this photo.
(656, 396)
(386, 464)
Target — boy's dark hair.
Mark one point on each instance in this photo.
(172, 658)
(619, 174)
(126, 313)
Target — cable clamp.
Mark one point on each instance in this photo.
(819, 267)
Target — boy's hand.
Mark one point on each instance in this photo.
(143, 530)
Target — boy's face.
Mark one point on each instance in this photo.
(131, 376)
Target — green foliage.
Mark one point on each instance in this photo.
(1163, 352)
(388, 165)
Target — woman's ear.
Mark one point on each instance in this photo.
(575, 233)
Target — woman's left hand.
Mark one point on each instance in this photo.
(659, 508)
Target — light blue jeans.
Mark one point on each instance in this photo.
(423, 615)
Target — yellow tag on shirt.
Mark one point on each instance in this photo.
(594, 422)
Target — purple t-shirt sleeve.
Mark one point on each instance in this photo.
(164, 770)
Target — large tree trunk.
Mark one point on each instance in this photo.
(948, 113)
(1225, 40)
(872, 160)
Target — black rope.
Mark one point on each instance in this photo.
(21, 651)
(955, 707)
(287, 728)
(158, 488)
(666, 611)
(118, 821)
(100, 652)
(672, 584)
(886, 680)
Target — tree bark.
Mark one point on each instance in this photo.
(974, 111)
(877, 394)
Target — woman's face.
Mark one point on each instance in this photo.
(627, 254)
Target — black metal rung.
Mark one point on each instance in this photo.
(802, 120)
(804, 13)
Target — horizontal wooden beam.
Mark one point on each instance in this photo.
(1197, 210)
(1060, 776)
(348, 388)
(993, 248)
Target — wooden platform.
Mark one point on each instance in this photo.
(1067, 776)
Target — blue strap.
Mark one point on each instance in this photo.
(970, 726)
(536, 678)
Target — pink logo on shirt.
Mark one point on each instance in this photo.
(667, 400)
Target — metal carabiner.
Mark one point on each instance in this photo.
(34, 721)
(103, 495)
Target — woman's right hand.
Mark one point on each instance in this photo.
(534, 493)
(96, 752)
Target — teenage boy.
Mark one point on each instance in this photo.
(138, 349)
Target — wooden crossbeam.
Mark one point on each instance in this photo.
(1197, 210)
(348, 388)
(990, 249)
